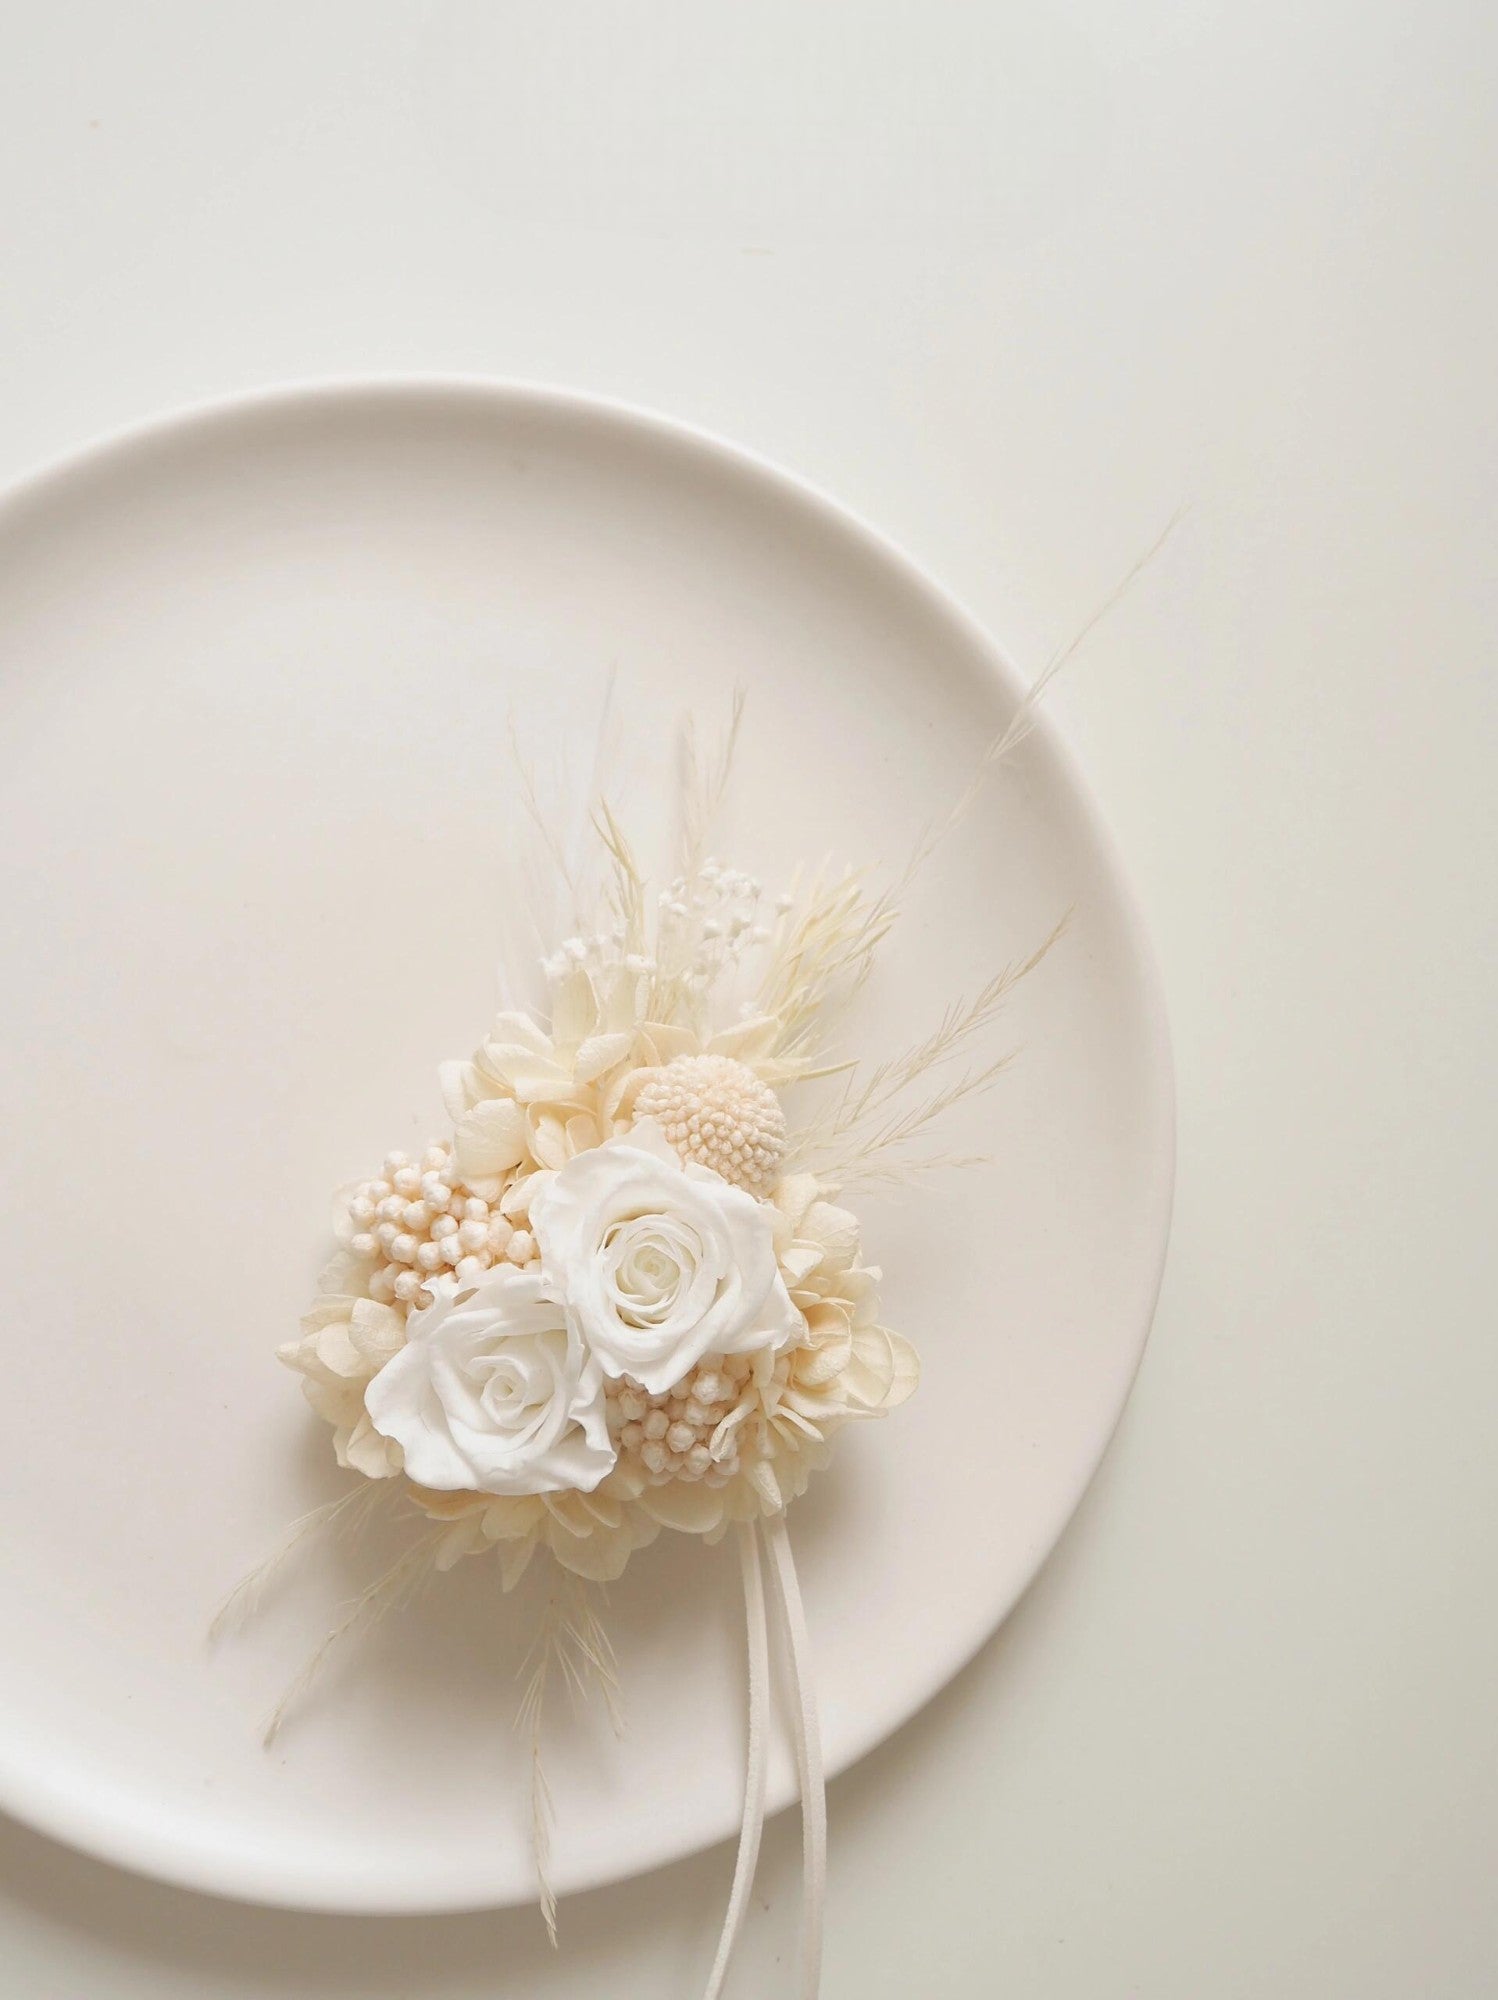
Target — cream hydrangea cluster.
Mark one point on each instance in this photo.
(684, 1321)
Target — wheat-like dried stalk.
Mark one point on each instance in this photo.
(1023, 720)
(348, 1514)
(881, 1157)
(570, 1641)
(392, 1588)
(864, 1131)
(704, 786)
(824, 948)
(625, 893)
(535, 813)
(530, 1716)
(820, 955)
(606, 744)
(554, 855)
(702, 789)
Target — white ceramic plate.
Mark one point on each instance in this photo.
(258, 665)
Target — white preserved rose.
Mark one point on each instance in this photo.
(494, 1392)
(659, 1263)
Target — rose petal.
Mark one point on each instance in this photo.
(493, 1393)
(658, 1264)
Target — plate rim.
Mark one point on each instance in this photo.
(161, 1857)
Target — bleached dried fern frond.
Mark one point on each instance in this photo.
(883, 1159)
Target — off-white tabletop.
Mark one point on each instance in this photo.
(1015, 282)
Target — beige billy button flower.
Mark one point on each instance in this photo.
(716, 1111)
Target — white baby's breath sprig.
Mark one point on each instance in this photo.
(706, 923)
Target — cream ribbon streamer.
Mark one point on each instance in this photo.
(757, 1652)
(807, 1739)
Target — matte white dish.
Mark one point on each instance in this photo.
(257, 666)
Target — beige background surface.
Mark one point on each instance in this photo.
(1013, 282)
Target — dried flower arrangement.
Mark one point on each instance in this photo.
(622, 1292)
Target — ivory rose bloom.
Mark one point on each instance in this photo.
(659, 1263)
(493, 1393)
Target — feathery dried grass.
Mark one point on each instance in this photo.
(393, 1588)
(625, 891)
(864, 1134)
(570, 1642)
(552, 856)
(821, 953)
(541, 826)
(1022, 722)
(704, 786)
(348, 1514)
